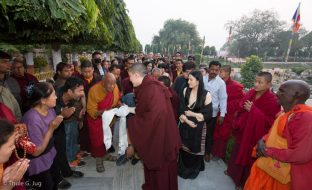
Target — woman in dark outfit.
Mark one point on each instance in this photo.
(196, 109)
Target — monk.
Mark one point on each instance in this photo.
(222, 132)
(292, 151)
(153, 131)
(104, 95)
(254, 118)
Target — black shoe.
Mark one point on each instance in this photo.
(134, 161)
(77, 174)
(64, 184)
(111, 149)
(121, 160)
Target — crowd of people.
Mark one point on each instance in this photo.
(176, 116)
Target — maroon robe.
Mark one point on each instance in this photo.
(235, 94)
(175, 101)
(298, 133)
(127, 86)
(154, 134)
(248, 128)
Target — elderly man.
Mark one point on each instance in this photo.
(102, 96)
(23, 78)
(287, 146)
(153, 131)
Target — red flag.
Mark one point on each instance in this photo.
(296, 20)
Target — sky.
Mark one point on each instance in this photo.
(210, 16)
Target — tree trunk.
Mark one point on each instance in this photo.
(29, 57)
(56, 57)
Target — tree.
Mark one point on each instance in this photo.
(147, 48)
(209, 50)
(177, 35)
(104, 24)
(250, 69)
(254, 34)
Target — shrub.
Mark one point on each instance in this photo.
(250, 69)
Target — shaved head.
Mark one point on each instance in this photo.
(293, 92)
(268, 76)
(138, 68)
(109, 82)
(300, 88)
(226, 68)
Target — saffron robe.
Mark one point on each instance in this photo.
(99, 99)
(154, 134)
(235, 94)
(298, 133)
(248, 128)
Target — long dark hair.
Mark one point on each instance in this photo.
(38, 91)
(6, 130)
(201, 92)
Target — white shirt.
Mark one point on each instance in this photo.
(217, 88)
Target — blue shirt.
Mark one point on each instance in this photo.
(217, 88)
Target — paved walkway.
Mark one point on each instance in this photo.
(130, 177)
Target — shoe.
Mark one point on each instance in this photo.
(82, 154)
(77, 164)
(134, 161)
(77, 174)
(99, 165)
(207, 157)
(111, 149)
(64, 184)
(122, 160)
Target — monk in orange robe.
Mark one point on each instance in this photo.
(285, 156)
(102, 96)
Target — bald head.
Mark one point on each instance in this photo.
(300, 89)
(109, 82)
(293, 92)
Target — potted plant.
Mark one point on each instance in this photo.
(40, 62)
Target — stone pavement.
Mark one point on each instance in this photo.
(130, 177)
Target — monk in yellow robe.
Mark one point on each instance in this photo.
(102, 96)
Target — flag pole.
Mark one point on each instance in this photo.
(202, 51)
(289, 46)
(295, 28)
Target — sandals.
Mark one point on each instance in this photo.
(109, 157)
(99, 165)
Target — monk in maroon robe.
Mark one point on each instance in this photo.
(254, 118)
(153, 131)
(222, 132)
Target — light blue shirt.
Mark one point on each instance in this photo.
(217, 88)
